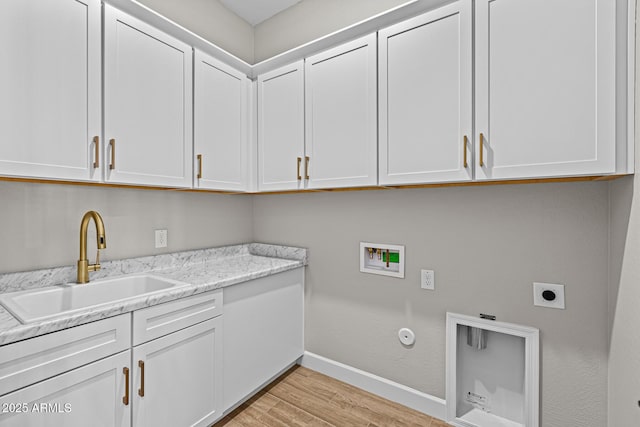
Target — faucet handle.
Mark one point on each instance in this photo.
(96, 266)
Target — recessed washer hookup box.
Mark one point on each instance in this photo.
(382, 258)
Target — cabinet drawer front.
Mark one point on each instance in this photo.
(90, 395)
(160, 320)
(27, 362)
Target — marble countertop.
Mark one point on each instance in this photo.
(201, 271)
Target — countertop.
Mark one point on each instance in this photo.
(201, 271)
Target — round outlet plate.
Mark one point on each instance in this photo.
(406, 336)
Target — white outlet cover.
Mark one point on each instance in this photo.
(406, 336)
(161, 238)
(538, 299)
(427, 280)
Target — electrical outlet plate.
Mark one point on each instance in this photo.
(406, 336)
(427, 280)
(161, 238)
(539, 300)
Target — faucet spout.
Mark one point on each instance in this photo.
(83, 263)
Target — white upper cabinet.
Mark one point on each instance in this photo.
(425, 98)
(472, 90)
(50, 81)
(545, 88)
(148, 104)
(341, 115)
(281, 128)
(221, 125)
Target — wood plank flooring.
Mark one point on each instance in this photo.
(302, 397)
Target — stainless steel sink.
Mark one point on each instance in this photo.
(54, 301)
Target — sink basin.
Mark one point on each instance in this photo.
(50, 302)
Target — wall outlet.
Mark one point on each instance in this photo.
(427, 280)
(161, 238)
(548, 295)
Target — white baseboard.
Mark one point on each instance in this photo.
(414, 399)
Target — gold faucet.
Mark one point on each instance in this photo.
(83, 264)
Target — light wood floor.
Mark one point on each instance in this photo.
(302, 397)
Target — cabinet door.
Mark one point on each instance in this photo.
(341, 115)
(545, 101)
(281, 128)
(50, 81)
(220, 125)
(425, 115)
(182, 383)
(263, 333)
(90, 395)
(148, 104)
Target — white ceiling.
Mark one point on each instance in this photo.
(256, 11)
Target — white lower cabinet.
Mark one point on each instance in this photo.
(70, 378)
(91, 374)
(165, 365)
(177, 379)
(263, 332)
(177, 362)
(89, 395)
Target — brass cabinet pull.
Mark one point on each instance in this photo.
(125, 399)
(306, 167)
(299, 161)
(96, 143)
(112, 144)
(141, 389)
(199, 176)
(466, 141)
(481, 150)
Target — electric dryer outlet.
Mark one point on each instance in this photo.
(548, 295)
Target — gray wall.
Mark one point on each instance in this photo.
(624, 291)
(39, 224)
(311, 19)
(304, 22)
(624, 304)
(487, 245)
(210, 20)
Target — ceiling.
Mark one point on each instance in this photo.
(256, 11)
